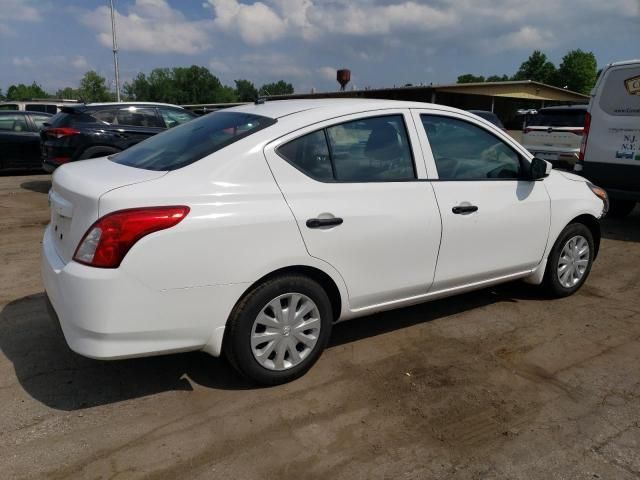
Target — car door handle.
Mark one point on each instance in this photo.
(323, 222)
(460, 209)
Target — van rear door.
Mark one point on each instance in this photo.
(612, 149)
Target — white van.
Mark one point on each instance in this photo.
(49, 105)
(610, 151)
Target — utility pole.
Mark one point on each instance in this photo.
(115, 50)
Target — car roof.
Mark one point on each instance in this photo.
(129, 104)
(566, 107)
(485, 112)
(283, 108)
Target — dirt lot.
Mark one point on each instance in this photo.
(498, 384)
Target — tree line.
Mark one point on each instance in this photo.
(578, 71)
(178, 85)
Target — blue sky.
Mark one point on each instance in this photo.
(383, 42)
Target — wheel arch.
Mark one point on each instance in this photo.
(593, 225)
(323, 278)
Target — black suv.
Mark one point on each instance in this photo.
(100, 129)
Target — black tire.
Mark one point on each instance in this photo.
(620, 208)
(551, 281)
(97, 152)
(237, 340)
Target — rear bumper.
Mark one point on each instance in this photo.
(555, 155)
(619, 180)
(109, 314)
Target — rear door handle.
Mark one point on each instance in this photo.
(323, 222)
(461, 209)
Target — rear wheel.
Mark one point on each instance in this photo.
(620, 208)
(279, 329)
(570, 260)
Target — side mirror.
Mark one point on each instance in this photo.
(540, 168)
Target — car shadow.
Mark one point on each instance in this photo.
(59, 378)
(626, 229)
(38, 186)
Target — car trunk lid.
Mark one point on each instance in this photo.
(75, 195)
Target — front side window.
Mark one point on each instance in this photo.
(13, 123)
(464, 151)
(192, 141)
(374, 149)
(173, 118)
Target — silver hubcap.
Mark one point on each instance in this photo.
(285, 332)
(573, 262)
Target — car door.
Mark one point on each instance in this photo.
(356, 194)
(495, 223)
(32, 154)
(18, 141)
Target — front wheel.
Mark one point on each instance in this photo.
(279, 329)
(570, 260)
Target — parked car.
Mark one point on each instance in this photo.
(610, 152)
(49, 105)
(20, 139)
(101, 129)
(250, 231)
(488, 116)
(555, 134)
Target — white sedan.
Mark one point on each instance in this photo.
(249, 232)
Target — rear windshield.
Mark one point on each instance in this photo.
(557, 118)
(189, 142)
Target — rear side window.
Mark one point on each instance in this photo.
(39, 120)
(558, 118)
(192, 141)
(620, 94)
(310, 155)
(374, 149)
(464, 151)
(41, 107)
(9, 106)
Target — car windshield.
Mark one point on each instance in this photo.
(192, 141)
(557, 118)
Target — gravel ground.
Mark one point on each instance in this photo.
(496, 384)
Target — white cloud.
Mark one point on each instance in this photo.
(79, 62)
(22, 62)
(328, 73)
(20, 11)
(151, 26)
(525, 38)
(255, 23)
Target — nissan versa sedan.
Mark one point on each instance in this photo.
(249, 232)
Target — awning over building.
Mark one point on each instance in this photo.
(525, 89)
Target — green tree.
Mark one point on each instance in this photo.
(246, 91)
(470, 78)
(497, 78)
(227, 94)
(68, 93)
(578, 71)
(195, 85)
(25, 92)
(93, 88)
(277, 88)
(536, 68)
(139, 89)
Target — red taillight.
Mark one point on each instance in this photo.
(585, 135)
(61, 132)
(109, 239)
(60, 160)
